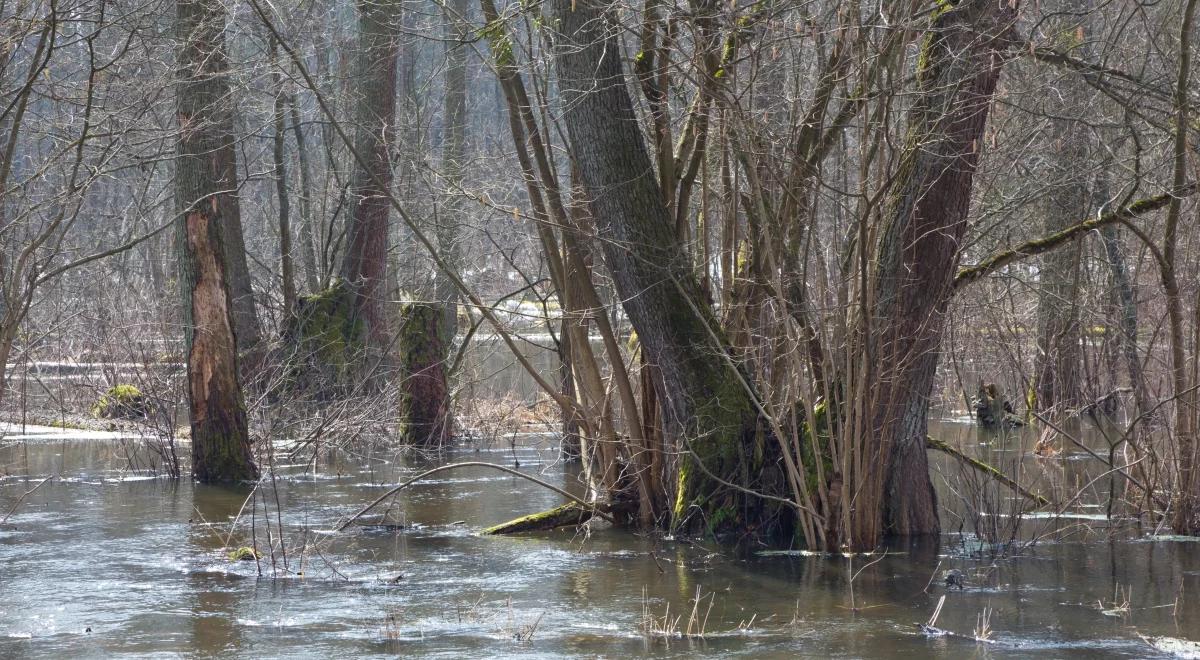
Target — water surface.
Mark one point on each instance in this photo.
(142, 562)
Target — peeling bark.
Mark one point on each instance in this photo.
(208, 207)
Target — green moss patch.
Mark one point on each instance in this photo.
(121, 402)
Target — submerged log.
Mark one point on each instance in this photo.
(986, 469)
(567, 515)
(601, 511)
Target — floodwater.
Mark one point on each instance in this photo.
(107, 560)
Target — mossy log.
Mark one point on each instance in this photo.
(986, 469)
(424, 399)
(569, 514)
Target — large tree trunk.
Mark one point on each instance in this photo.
(707, 410)
(454, 157)
(205, 197)
(364, 265)
(1186, 504)
(957, 73)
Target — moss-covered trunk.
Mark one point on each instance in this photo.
(424, 400)
(324, 342)
(569, 514)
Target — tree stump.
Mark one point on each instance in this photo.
(993, 410)
(424, 401)
(325, 341)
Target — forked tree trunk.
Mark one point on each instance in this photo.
(279, 161)
(706, 409)
(308, 236)
(958, 69)
(206, 199)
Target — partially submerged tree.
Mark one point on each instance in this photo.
(919, 253)
(205, 195)
(708, 407)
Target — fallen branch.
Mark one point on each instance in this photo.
(22, 498)
(567, 515)
(990, 471)
(443, 468)
(970, 274)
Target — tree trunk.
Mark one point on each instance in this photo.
(1058, 362)
(958, 69)
(364, 265)
(454, 156)
(279, 156)
(424, 397)
(205, 197)
(308, 235)
(706, 408)
(1186, 514)
(1126, 304)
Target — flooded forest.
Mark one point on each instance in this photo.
(591, 328)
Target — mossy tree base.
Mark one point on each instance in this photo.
(567, 515)
(424, 400)
(325, 340)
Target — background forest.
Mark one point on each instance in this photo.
(745, 250)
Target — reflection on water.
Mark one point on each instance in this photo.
(142, 563)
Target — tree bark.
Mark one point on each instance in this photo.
(207, 202)
(364, 265)
(919, 251)
(1126, 304)
(1058, 362)
(1186, 515)
(308, 235)
(454, 156)
(424, 397)
(707, 410)
(279, 157)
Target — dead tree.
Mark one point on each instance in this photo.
(207, 204)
